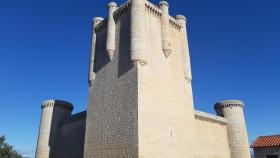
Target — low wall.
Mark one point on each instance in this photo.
(71, 137)
(212, 136)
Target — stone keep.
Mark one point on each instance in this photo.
(140, 96)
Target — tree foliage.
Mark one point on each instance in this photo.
(6, 150)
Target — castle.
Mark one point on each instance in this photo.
(140, 96)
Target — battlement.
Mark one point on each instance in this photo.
(57, 103)
(124, 8)
(142, 17)
(229, 103)
(149, 7)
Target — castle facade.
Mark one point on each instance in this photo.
(140, 96)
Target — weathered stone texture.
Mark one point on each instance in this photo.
(112, 121)
(166, 112)
(211, 137)
(137, 31)
(71, 137)
(232, 110)
(140, 96)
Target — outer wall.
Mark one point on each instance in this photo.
(112, 122)
(166, 112)
(212, 139)
(71, 140)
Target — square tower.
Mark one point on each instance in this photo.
(140, 94)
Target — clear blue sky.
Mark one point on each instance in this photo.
(44, 53)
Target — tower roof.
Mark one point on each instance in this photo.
(266, 141)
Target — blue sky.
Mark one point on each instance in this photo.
(44, 53)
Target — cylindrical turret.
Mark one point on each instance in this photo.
(232, 110)
(164, 6)
(91, 75)
(185, 48)
(111, 30)
(53, 112)
(137, 23)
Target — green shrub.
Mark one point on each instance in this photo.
(6, 150)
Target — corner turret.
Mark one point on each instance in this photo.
(232, 110)
(53, 113)
(182, 20)
(164, 6)
(137, 26)
(111, 30)
(91, 74)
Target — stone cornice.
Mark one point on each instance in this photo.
(154, 10)
(229, 103)
(117, 14)
(210, 117)
(149, 7)
(121, 10)
(173, 22)
(57, 103)
(101, 25)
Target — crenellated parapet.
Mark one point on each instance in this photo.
(180, 21)
(149, 7)
(157, 12)
(153, 10)
(57, 103)
(138, 10)
(124, 8)
(175, 24)
(228, 103)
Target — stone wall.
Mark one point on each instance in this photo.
(211, 136)
(112, 121)
(166, 112)
(141, 101)
(263, 152)
(71, 137)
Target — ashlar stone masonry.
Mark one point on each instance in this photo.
(140, 96)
